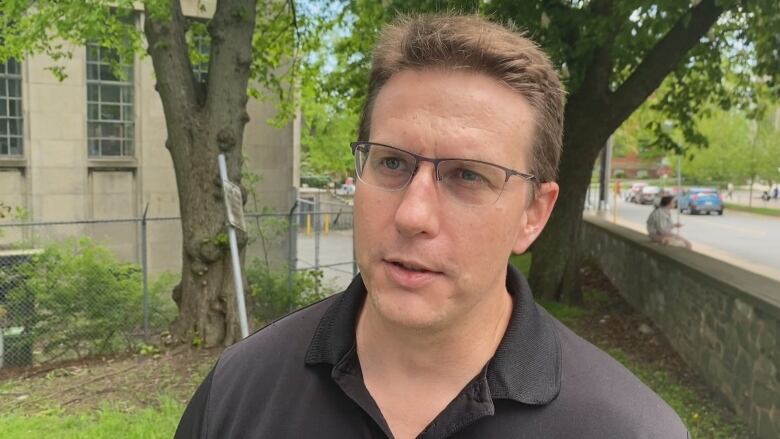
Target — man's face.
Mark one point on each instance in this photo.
(457, 253)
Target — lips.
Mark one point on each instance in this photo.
(410, 274)
(411, 266)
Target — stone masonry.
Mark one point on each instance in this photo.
(724, 321)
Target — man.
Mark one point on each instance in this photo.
(437, 337)
(660, 227)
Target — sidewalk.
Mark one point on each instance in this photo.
(742, 197)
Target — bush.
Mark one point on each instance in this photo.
(274, 296)
(162, 308)
(318, 181)
(78, 300)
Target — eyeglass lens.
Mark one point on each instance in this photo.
(465, 181)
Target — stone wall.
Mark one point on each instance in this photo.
(723, 321)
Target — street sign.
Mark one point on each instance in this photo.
(234, 204)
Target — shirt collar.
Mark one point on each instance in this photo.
(525, 368)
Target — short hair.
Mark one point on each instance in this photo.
(666, 200)
(473, 43)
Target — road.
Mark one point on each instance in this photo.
(742, 239)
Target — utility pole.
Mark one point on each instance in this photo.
(754, 126)
(606, 164)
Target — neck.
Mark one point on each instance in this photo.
(455, 352)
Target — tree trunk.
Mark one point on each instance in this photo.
(592, 114)
(201, 124)
(556, 259)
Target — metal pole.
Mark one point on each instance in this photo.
(291, 246)
(235, 262)
(679, 187)
(145, 269)
(754, 125)
(316, 220)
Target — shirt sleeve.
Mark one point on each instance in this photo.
(193, 422)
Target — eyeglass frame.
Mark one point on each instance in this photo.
(421, 158)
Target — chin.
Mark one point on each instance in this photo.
(407, 310)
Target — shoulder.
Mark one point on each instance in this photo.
(607, 397)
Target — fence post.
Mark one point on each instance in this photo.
(145, 269)
(317, 226)
(291, 244)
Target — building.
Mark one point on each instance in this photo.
(632, 166)
(91, 147)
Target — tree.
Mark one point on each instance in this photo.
(613, 54)
(250, 40)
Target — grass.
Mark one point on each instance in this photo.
(757, 210)
(108, 422)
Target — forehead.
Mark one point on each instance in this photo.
(454, 113)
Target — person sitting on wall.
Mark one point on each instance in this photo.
(660, 226)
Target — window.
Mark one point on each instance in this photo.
(110, 121)
(11, 109)
(200, 67)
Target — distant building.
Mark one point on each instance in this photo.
(92, 148)
(632, 166)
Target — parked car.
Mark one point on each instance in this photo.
(632, 195)
(700, 200)
(648, 193)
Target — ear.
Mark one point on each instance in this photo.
(535, 216)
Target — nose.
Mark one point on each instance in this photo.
(419, 211)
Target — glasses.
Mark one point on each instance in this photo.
(469, 182)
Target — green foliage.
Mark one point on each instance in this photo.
(739, 148)
(45, 26)
(162, 308)
(318, 181)
(76, 299)
(276, 295)
(722, 70)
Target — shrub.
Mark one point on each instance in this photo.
(78, 300)
(273, 294)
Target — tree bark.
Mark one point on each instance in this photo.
(593, 113)
(201, 124)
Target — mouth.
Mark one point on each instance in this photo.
(410, 275)
(411, 266)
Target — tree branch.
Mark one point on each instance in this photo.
(231, 32)
(662, 59)
(170, 56)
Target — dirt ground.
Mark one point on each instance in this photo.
(124, 382)
(132, 381)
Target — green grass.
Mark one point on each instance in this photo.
(757, 210)
(149, 423)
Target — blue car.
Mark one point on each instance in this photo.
(700, 200)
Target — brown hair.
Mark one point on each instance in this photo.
(472, 42)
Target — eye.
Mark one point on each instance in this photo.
(391, 163)
(470, 176)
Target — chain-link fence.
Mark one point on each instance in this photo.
(84, 288)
